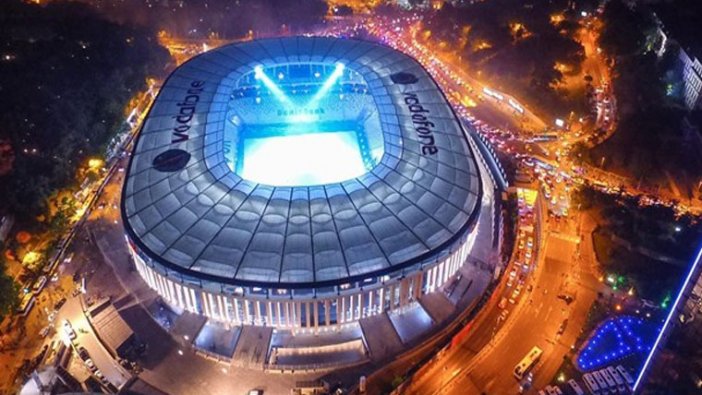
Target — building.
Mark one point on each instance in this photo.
(6, 222)
(677, 32)
(300, 182)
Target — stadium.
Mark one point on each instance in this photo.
(300, 182)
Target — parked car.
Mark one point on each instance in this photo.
(59, 304)
(69, 330)
(83, 353)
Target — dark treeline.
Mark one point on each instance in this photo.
(516, 44)
(657, 229)
(225, 18)
(66, 75)
(655, 133)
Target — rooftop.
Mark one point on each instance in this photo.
(193, 208)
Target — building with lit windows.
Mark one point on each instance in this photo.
(684, 80)
(300, 182)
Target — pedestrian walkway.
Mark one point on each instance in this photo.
(325, 349)
(346, 333)
(218, 339)
(437, 305)
(331, 356)
(410, 322)
(187, 326)
(381, 337)
(252, 348)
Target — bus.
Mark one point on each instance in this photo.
(26, 304)
(527, 362)
(545, 136)
(39, 285)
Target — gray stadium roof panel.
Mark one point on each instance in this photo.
(204, 219)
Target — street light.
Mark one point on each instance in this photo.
(95, 163)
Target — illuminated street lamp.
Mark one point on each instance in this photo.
(31, 258)
(95, 163)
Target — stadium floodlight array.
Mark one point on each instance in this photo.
(261, 76)
(338, 72)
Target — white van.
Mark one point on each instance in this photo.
(591, 384)
(626, 376)
(575, 387)
(621, 384)
(604, 387)
(611, 384)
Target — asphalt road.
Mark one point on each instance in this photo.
(87, 338)
(484, 363)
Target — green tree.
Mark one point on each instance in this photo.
(8, 292)
(71, 75)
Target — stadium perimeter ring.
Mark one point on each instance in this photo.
(311, 255)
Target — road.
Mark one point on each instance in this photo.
(485, 361)
(86, 337)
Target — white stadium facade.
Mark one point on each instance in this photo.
(300, 182)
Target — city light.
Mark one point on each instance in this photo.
(95, 163)
(492, 93)
(31, 258)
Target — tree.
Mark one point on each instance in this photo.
(71, 75)
(8, 292)
(584, 198)
(626, 30)
(515, 46)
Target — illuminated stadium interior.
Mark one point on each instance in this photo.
(302, 124)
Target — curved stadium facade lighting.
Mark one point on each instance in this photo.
(300, 182)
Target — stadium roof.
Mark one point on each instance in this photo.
(185, 208)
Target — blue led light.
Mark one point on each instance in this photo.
(615, 339)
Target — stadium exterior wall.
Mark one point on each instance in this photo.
(306, 308)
